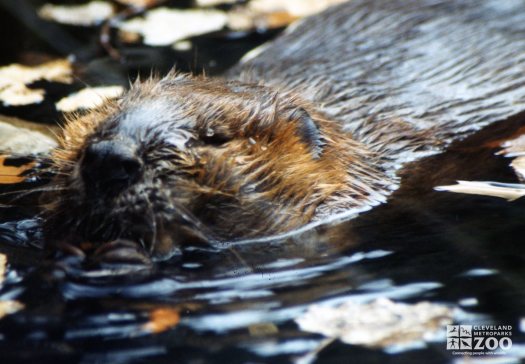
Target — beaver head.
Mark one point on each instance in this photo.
(186, 159)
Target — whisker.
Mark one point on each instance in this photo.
(39, 189)
(192, 220)
(34, 190)
(153, 221)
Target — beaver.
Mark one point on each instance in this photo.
(315, 124)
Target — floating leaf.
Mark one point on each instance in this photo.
(275, 13)
(85, 15)
(15, 77)
(89, 98)
(205, 3)
(508, 191)
(138, 3)
(296, 8)
(518, 165)
(163, 26)
(23, 137)
(515, 148)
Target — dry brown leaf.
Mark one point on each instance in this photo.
(164, 26)
(274, 13)
(15, 139)
(296, 8)
(15, 77)
(84, 15)
(508, 191)
(162, 319)
(378, 324)
(11, 174)
(88, 98)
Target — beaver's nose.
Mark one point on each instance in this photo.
(109, 166)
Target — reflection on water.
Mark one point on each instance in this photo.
(237, 303)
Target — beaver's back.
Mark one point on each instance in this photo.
(405, 77)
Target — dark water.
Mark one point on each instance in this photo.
(465, 252)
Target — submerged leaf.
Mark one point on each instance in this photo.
(11, 174)
(263, 329)
(162, 319)
(378, 324)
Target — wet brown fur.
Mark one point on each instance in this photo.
(263, 179)
(321, 123)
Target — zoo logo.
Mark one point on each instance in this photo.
(478, 340)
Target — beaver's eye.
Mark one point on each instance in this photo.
(213, 137)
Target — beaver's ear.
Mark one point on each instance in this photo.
(308, 131)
